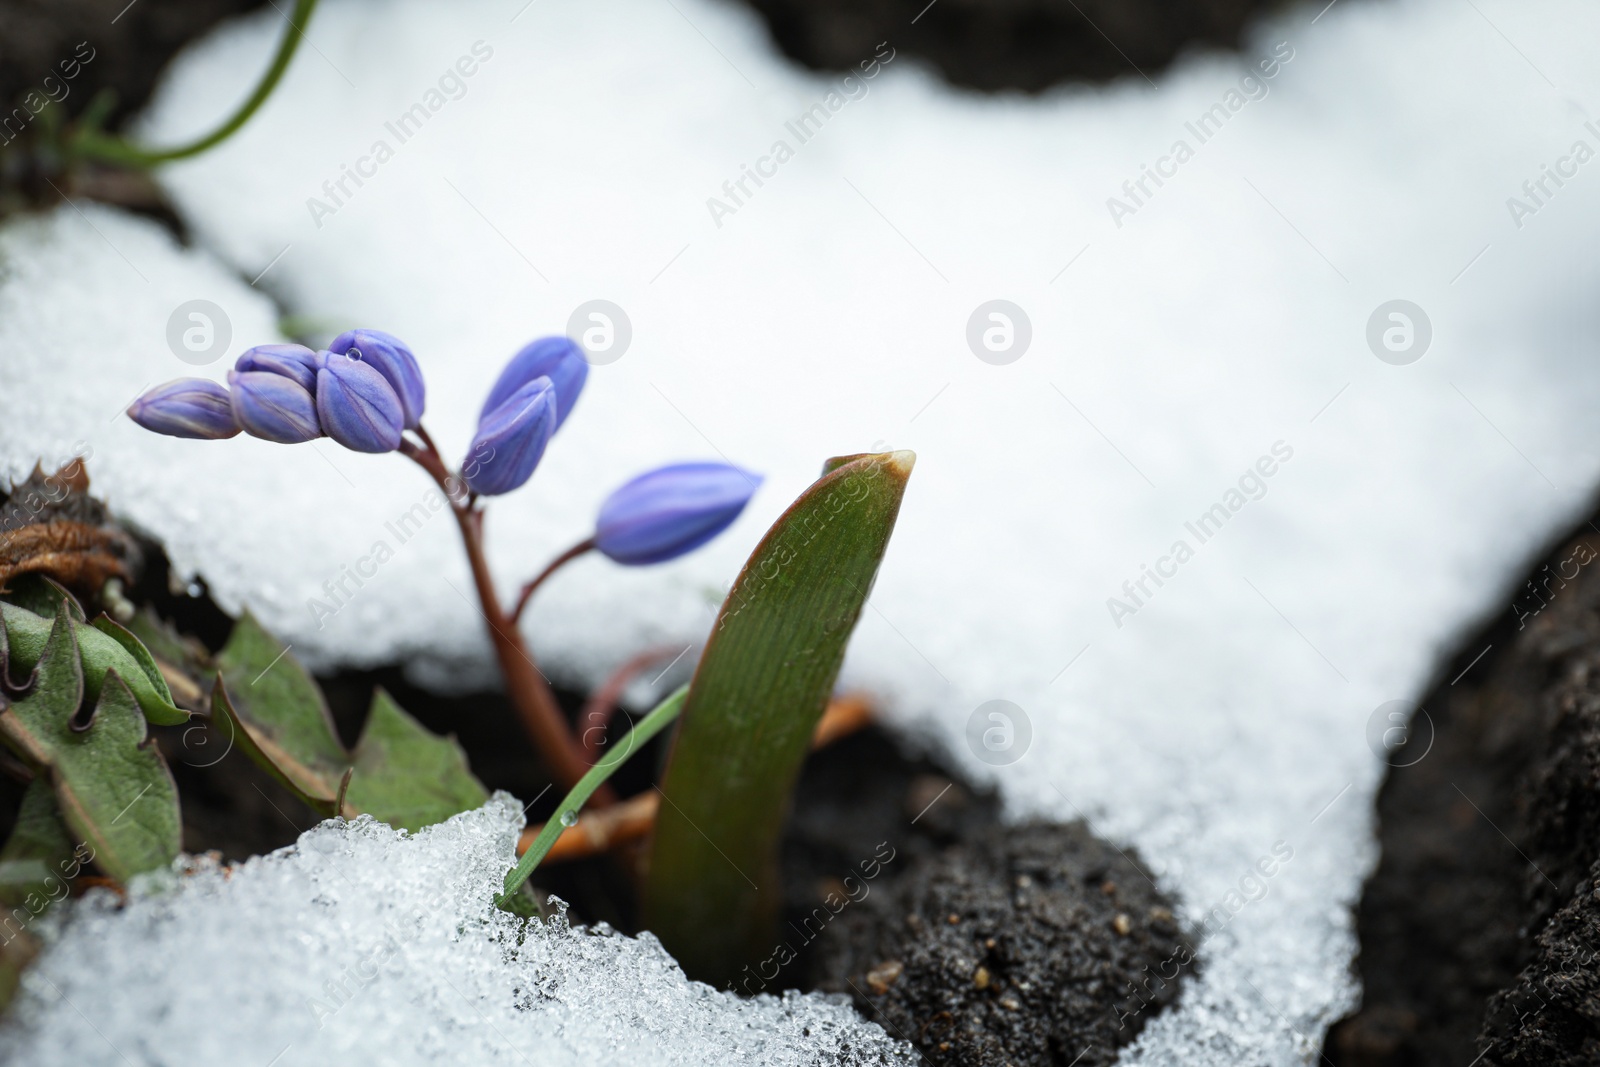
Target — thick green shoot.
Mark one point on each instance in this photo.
(711, 893)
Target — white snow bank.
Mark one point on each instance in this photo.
(828, 314)
(361, 944)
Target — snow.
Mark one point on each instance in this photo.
(363, 944)
(1226, 317)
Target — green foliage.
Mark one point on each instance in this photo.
(274, 711)
(99, 781)
(406, 776)
(711, 893)
(103, 647)
(102, 792)
(111, 785)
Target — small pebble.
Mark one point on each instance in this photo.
(988, 942)
(1121, 924)
(1023, 881)
(952, 918)
(1010, 1003)
(980, 978)
(881, 977)
(1108, 887)
(1160, 915)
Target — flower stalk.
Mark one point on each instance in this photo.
(526, 687)
(556, 564)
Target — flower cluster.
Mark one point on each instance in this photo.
(362, 392)
(365, 390)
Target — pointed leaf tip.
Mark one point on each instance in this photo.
(901, 462)
(898, 462)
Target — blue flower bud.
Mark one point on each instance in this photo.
(291, 361)
(511, 440)
(667, 512)
(273, 407)
(189, 407)
(356, 405)
(392, 358)
(557, 358)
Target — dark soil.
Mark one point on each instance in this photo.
(992, 45)
(1481, 926)
(1025, 945)
(883, 850)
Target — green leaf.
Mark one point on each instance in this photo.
(101, 651)
(277, 714)
(711, 894)
(659, 719)
(112, 786)
(183, 663)
(165, 643)
(40, 594)
(407, 776)
(274, 710)
(131, 645)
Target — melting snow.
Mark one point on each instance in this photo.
(364, 944)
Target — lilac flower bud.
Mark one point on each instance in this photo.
(557, 358)
(273, 407)
(667, 512)
(356, 405)
(511, 439)
(189, 407)
(296, 362)
(392, 358)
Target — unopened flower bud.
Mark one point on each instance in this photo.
(392, 358)
(273, 407)
(511, 439)
(667, 512)
(557, 358)
(356, 405)
(296, 362)
(189, 407)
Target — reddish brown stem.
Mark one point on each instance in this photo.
(525, 686)
(556, 564)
